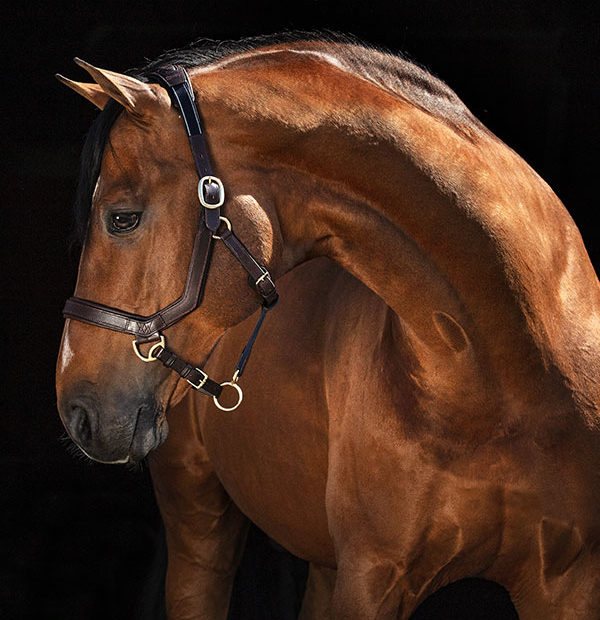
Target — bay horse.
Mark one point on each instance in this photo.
(423, 404)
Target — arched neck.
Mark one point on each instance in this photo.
(433, 214)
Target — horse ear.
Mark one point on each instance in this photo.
(138, 98)
(92, 92)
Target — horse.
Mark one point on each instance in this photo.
(423, 405)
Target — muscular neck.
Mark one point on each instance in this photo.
(434, 218)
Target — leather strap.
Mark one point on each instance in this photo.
(146, 327)
(178, 85)
(245, 356)
(260, 278)
(195, 376)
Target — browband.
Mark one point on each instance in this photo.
(211, 194)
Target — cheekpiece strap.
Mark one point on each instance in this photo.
(210, 188)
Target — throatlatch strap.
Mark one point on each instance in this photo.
(260, 278)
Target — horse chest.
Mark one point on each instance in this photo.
(273, 464)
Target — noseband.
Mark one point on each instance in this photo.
(213, 226)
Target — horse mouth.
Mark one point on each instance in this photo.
(116, 446)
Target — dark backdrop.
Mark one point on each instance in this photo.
(83, 541)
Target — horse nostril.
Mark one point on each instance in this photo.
(81, 427)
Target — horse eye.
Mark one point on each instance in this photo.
(124, 222)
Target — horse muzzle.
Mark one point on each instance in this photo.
(120, 428)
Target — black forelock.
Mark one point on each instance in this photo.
(89, 167)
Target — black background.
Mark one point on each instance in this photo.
(83, 541)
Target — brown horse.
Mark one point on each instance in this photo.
(428, 412)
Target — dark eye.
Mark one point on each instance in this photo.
(123, 221)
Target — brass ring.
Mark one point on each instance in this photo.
(149, 357)
(226, 222)
(238, 389)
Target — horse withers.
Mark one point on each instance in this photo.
(422, 407)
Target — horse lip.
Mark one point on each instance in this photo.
(148, 432)
(94, 458)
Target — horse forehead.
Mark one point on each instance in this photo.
(129, 142)
(137, 146)
(126, 175)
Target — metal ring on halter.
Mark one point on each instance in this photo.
(221, 197)
(238, 389)
(226, 222)
(149, 357)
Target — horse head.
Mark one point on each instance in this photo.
(141, 236)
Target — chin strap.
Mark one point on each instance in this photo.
(194, 375)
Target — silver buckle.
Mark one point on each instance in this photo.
(266, 274)
(210, 179)
(198, 385)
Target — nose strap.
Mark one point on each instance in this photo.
(146, 327)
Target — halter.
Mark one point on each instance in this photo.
(213, 226)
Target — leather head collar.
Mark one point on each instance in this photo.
(211, 194)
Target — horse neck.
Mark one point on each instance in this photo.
(440, 219)
(463, 261)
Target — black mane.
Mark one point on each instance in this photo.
(204, 51)
(389, 71)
